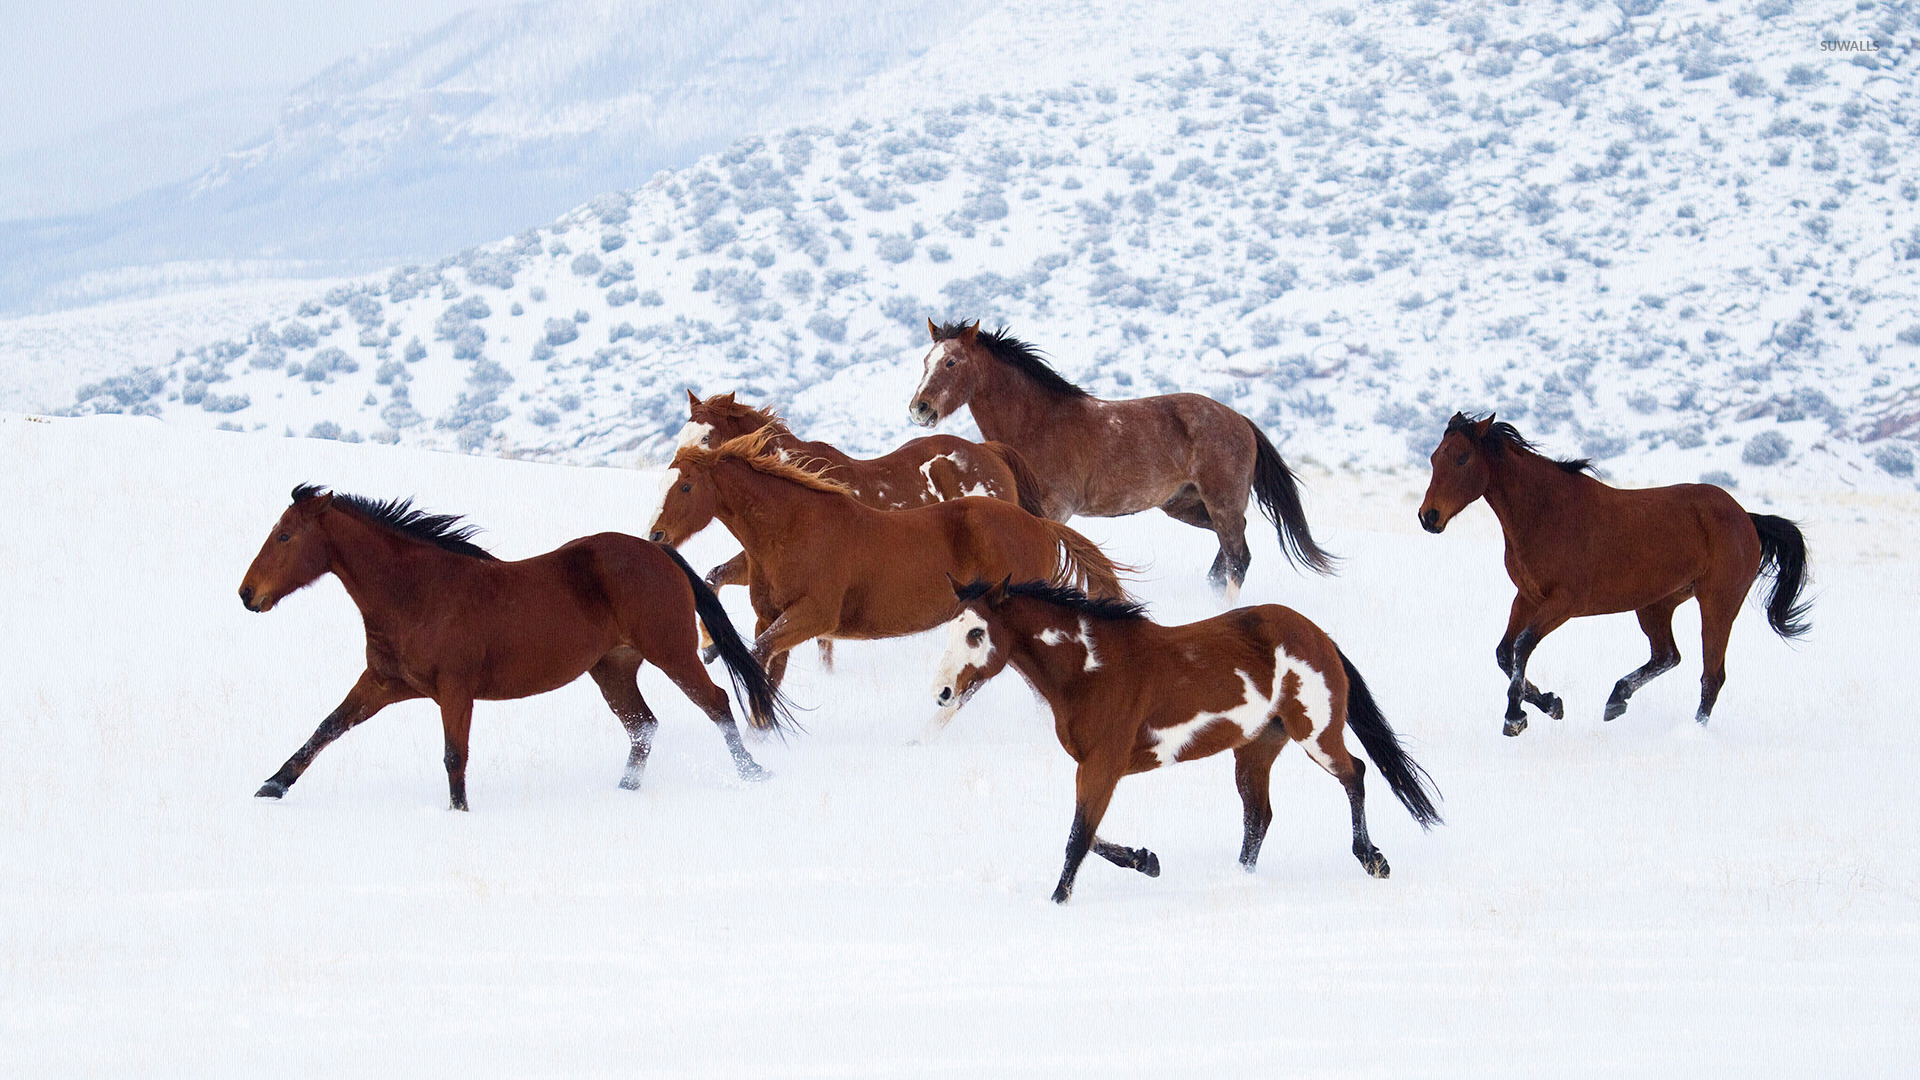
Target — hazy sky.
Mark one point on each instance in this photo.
(71, 64)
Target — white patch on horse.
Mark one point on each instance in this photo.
(1257, 710)
(1231, 592)
(1084, 639)
(980, 489)
(926, 366)
(926, 470)
(961, 655)
(666, 488)
(692, 435)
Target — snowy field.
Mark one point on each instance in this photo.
(1637, 898)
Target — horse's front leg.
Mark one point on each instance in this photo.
(456, 722)
(1093, 790)
(1518, 619)
(369, 695)
(1518, 688)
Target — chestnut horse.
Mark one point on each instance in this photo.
(448, 621)
(824, 564)
(1187, 454)
(931, 469)
(1578, 547)
(1129, 695)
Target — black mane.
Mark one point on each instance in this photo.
(1065, 596)
(1502, 435)
(443, 531)
(1010, 350)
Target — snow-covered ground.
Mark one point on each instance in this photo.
(1636, 898)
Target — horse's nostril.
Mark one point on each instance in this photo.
(246, 594)
(657, 536)
(946, 692)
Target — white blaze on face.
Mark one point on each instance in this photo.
(666, 488)
(927, 369)
(1257, 710)
(964, 650)
(692, 435)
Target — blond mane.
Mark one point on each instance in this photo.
(754, 449)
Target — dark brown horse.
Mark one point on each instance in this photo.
(448, 621)
(1578, 547)
(1186, 454)
(824, 564)
(931, 469)
(1129, 695)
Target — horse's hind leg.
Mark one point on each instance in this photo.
(1252, 773)
(456, 724)
(1716, 625)
(1656, 621)
(1330, 750)
(369, 695)
(617, 675)
(692, 679)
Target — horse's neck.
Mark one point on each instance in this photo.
(803, 450)
(1527, 491)
(755, 508)
(1015, 411)
(383, 573)
(1053, 669)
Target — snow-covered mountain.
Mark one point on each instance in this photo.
(499, 117)
(1682, 240)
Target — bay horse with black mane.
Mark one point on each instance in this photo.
(930, 469)
(825, 564)
(1129, 696)
(1186, 454)
(1576, 546)
(448, 621)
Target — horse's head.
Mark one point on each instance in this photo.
(294, 555)
(1460, 471)
(687, 502)
(717, 419)
(977, 644)
(952, 371)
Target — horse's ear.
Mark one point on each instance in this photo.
(932, 330)
(1481, 428)
(968, 333)
(998, 594)
(957, 587)
(693, 399)
(317, 503)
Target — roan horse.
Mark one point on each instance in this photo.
(931, 469)
(1187, 454)
(1578, 547)
(824, 564)
(448, 621)
(1129, 695)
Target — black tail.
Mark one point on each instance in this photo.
(1783, 555)
(1408, 780)
(766, 709)
(1279, 496)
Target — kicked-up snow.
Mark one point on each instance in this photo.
(1635, 898)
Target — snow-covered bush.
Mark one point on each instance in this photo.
(1766, 448)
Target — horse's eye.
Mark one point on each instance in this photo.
(284, 538)
(975, 637)
(1461, 460)
(949, 363)
(684, 488)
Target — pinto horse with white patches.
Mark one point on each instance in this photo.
(923, 471)
(1185, 454)
(1129, 696)
(1576, 546)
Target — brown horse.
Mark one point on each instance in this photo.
(824, 564)
(1578, 547)
(926, 470)
(448, 621)
(1187, 454)
(1129, 695)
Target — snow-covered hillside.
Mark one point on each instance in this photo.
(501, 116)
(1639, 898)
(1685, 243)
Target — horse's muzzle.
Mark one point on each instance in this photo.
(1430, 521)
(922, 413)
(247, 598)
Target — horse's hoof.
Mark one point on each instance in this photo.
(1148, 864)
(1514, 726)
(1061, 894)
(1556, 708)
(1615, 710)
(1376, 865)
(753, 772)
(272, 789)
(630, 782)
(709, 654)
